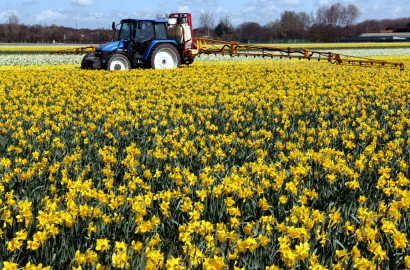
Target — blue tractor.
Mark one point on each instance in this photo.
(168, 43)
(157, 44)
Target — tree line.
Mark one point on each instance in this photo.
(14, 32)
(328, 24)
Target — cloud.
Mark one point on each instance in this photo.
(397, 12)
(291, 2)
(222, 10)
(183, 9)
(49, 15)
(197, 2)
(29, 3)
(262, 7)
(322, 2)
(4, 15)
(82, 2)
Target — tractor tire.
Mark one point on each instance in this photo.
(165, 56)
(118, 62)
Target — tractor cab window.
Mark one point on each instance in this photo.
(144, 31)
(160, 31)
(125, 31)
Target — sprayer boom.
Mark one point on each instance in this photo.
(210, 46)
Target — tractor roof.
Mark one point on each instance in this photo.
(146, 20)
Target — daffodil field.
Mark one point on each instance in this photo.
(240, 164)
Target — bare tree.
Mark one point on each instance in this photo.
(321, 16)
(12, 28)
(13, 19)
(271, 31)
(224, 28)
(250, 32)
(334, 15)
(335, 21)
(337, 15)
(206, 21)
(294, 25)
(350, 15)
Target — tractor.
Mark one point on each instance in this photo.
(168, 43)
(158, 44)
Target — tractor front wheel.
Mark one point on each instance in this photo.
(118, 62)
(165, 56)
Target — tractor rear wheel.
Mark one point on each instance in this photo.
(118, 62)
(165, 56)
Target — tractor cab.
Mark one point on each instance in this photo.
(135, 36)
(142, 30)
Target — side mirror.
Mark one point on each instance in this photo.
(113, 25)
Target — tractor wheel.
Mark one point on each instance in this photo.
(165, 56)
(118, 62)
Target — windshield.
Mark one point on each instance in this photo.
(125, 31)
(145, 31)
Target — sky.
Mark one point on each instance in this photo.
(101, 13)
